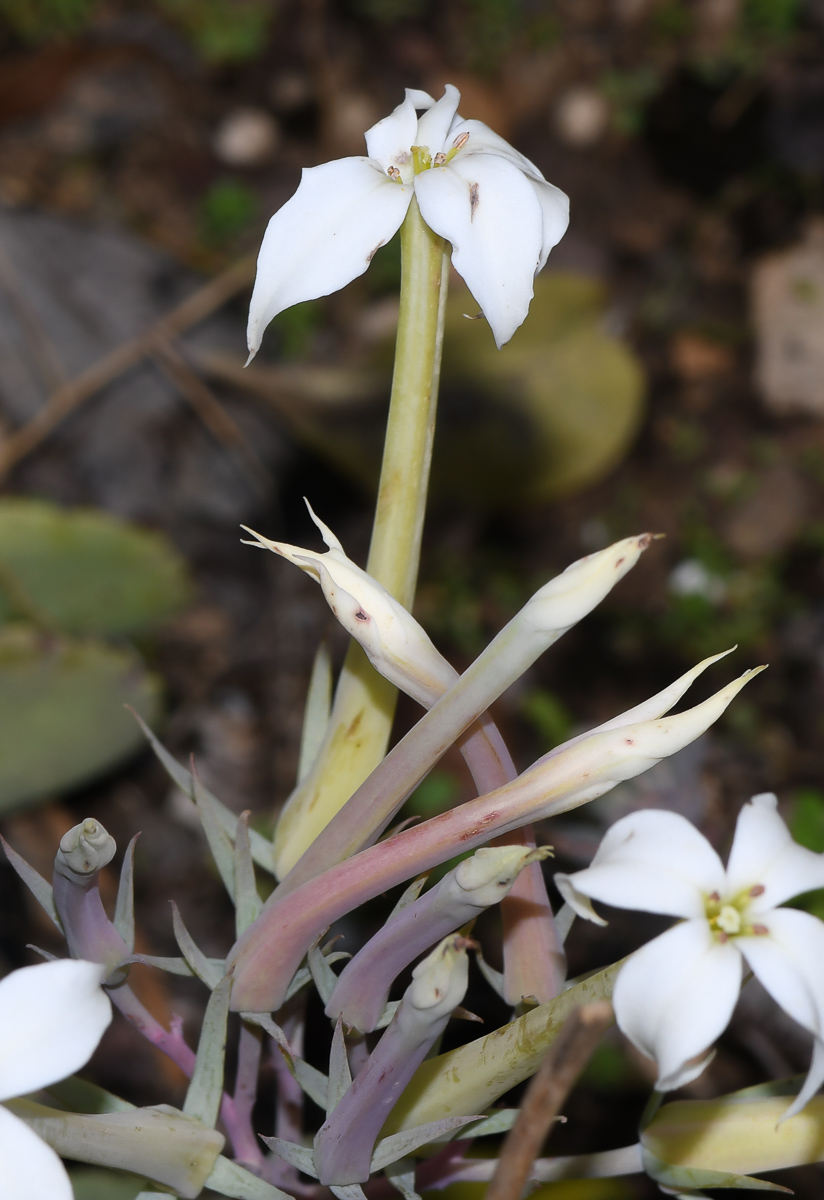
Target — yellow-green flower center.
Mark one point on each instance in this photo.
(729, 917)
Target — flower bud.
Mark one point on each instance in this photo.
(344, 1143)
(84, 850)
(392, 639)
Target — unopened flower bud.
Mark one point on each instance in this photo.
(344, 1143)
(392, 639)
(362, 990)
(84, 850)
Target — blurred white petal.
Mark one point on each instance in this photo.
(29, 1169)
(51, 1018)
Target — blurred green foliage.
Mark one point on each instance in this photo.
(547, 714)
(83, 572)
(62, 715)
(40, 20)
(222, 31)
(69, 579)
(806, 823)
(226, 210)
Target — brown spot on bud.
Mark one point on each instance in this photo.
(360, 615)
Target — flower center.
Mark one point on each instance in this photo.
(729, 917)
(423, 159)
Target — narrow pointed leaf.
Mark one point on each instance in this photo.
(401, 1175)
(313, 1082)
(203, 967)
(206, 1085)
(494, 978)
(340, 1077)
(261, 848)
(275, 1032)
(247, 899)
(399, 1145)
(220, 844)
(230, 1179)
(322, 973)
(409, 896)
(350, 1191)
(691, 1178)
(316, 713)
(497, 1122)
(296, 1156)
(39, 887)
(174, 966)
(124, 908)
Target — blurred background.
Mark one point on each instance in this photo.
(670, 377)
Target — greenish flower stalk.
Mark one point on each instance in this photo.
(364, 705)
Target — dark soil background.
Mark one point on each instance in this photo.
(143, 147)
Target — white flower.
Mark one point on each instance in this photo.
(473, 189)
(51, 1018)
(676, 995)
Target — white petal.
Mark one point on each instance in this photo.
(555, 207)
(675, 996)
(763, 852)
(389, 140)
(420, 99)
(789, 962)
(814, 1080)
(435, 124)
(29, 1169)
(652, 860)
(488, 210)
(51, 1018)
(483, 140)
(324, 237)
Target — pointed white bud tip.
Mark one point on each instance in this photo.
(394, 642)
(584, 583)
(491, 871)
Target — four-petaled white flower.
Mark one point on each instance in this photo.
(51, 1018)
(473, 189)
(676, 995)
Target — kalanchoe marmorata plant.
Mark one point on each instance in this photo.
(393, 1105)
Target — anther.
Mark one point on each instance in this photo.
(460, 140)
(439, 159)
(715, 897)
(760, 930)
(757, 890)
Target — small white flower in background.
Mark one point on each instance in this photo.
(493, 205)
(51, 1018)
(676, 995)
(692, 578)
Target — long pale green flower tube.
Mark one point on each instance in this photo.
(270, 951)
(364, 705)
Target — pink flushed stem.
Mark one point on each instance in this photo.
(245, 1142)
(267, 955)
(174, 1047)
(289, 1100)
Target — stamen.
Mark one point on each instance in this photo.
(439, 159)
(461, 140)
(393, 173)
(715, 897)
(757, 890)
(723, 937)
(760, 930)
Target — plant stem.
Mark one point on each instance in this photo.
(364, 705)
